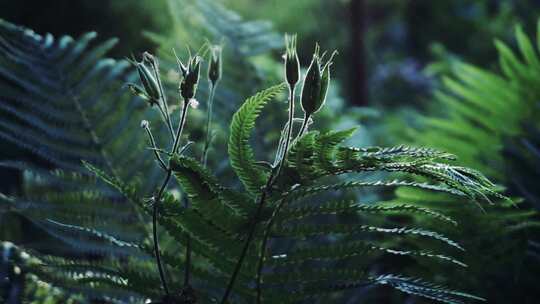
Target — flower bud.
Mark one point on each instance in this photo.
(144, 124)
(149, 59)
(148, 81)
(140, 92)
(311, 89)
(325, 83)
(188, 86)
(292, 64)
(214, 67)
(316, 84)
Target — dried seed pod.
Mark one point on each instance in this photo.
(292, 64)
(214, 67)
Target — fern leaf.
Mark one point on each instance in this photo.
(240, 152)
(315, 230)
(427, 290)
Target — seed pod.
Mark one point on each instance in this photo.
(311, 89)
(188, 86)
(148, 81)
(138, 91)
(149, 59)
(325, 83)
(292, 64)
(316, 84)
(214, 67)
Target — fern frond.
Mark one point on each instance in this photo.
(420, 288)
(349, 207)
(328, 229)
(344, 250)
(240, 152)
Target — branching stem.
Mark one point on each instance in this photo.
(165, 110)
(155, 149)
(262, 200)
(208, 124)
(187, 270)
(154, 231)
(185, 107)
(253, 225)
(289, 130)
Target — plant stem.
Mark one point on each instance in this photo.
(187, 271)
(208, 124)
(155, 149)
(262, 199)
(165, 110)
(180, 126)
(154, 231)
(160, 194)
(289, 130)
(249, 238)
(263, 250)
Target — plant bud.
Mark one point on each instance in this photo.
(148, 81)
(316, 84)
(214, 67)
(144, 124)
(188, 86)
(325, 83)
(292, 64)
(149, 59)
(311, 89)
(140, 92)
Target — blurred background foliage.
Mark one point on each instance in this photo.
(416, 72)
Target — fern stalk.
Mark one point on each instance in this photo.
(253, 225)
(264, 245)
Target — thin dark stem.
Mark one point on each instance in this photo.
(187, 271)
(155, 149)
(253, 225)
(165, 110)
(155, 234)
(263, 250)
(262, 199)
(289, 130)
(208, 124)
(180, 126)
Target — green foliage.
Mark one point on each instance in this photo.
(281, 237)
(479, 114)
(241, 153)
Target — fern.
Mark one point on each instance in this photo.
(242, 159)
(281, 237)
(479, 115)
